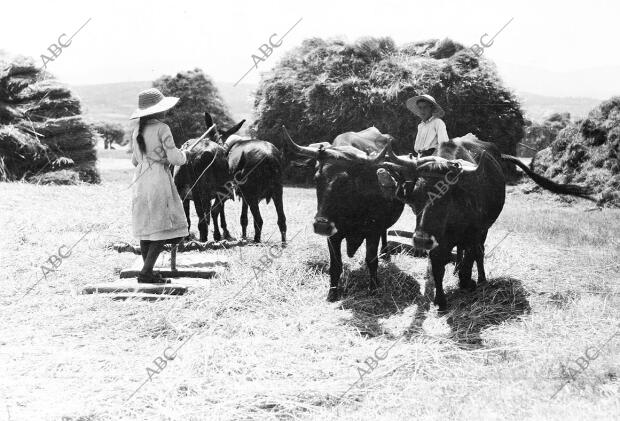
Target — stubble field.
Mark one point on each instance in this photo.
(271, 347)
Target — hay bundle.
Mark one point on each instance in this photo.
(587, 152)
(540, 135)
(43, 137)
(324, 88)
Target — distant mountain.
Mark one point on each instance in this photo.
(538, 107)
(594, 81)
(114, 102)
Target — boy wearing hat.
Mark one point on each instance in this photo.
(157, 214)
(432, 129)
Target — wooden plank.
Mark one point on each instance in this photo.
(400, 233)
(198, 265)
(133, 286)
(139, 296)
(398, 244)
(203, 273)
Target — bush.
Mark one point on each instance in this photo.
(197, 94)
(326, 87)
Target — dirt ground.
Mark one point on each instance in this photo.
(271, 347)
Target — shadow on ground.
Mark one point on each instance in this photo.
(495, 302)
(398, 290)
(469, 312)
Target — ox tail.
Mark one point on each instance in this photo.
(570, 189)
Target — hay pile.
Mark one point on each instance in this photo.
(43, 137)
(327, 87)
(587, 152)
(540, 135)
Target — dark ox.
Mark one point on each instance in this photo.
(257, 165)
(457, 196)
(350, 205)
(205, 178)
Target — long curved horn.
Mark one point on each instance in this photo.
(301, 150)
(392, 166)
(434, 166)
(380, 156)
(410, 164)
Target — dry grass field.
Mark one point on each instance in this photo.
(270, 347)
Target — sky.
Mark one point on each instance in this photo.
(555, 48)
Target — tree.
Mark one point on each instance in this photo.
(111, 133)
(197, 94)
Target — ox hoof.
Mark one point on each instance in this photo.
(334, 295)
(469, 285)
(419, 253)
(442, 303)
(217, 237)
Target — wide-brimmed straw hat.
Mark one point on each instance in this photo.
(152, 101)
(412, 104)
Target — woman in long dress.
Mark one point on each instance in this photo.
(157, 210)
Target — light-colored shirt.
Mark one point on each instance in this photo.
(430, 133)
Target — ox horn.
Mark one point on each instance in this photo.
(407, 163)
(301, 150)
(381, 155)
(434, 166)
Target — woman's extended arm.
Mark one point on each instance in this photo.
(174, 155)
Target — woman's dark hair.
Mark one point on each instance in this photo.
(140, 138)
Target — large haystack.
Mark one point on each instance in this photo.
(327, 87)
(587, 152)
(43, 137)
(540, 135)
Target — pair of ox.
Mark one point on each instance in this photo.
(224, 163)
(456, 197)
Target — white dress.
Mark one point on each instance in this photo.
(156, 208)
